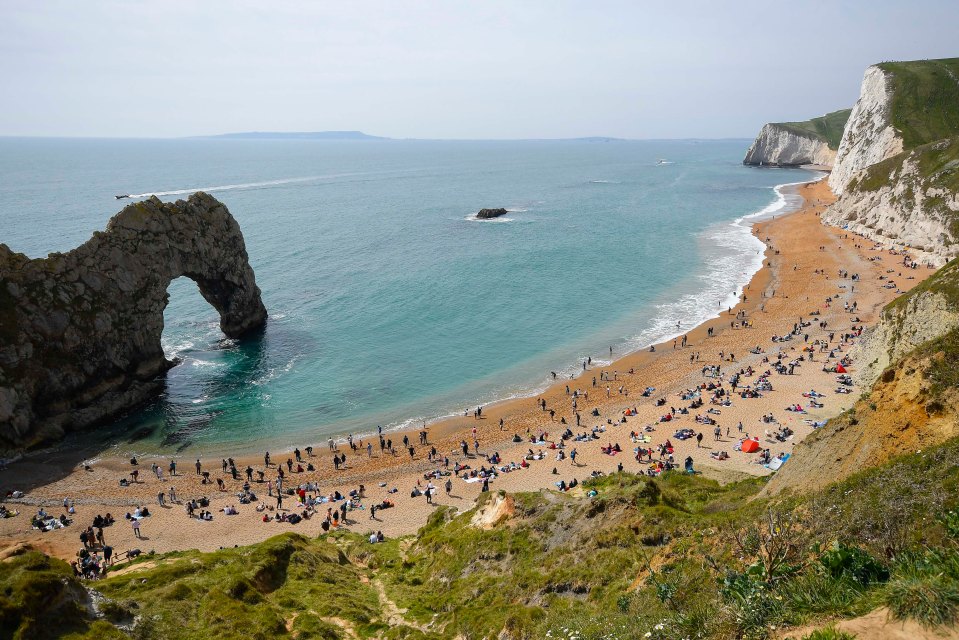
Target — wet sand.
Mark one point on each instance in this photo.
(786, 289)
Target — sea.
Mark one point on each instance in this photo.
(389, 303)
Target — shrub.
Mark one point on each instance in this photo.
(845, 561)
(925, 588)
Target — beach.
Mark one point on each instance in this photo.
(801, 271)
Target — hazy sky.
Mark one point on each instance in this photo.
(487, 69)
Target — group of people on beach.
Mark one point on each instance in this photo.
(293, 493)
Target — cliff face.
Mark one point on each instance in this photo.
(897, 168)
(910, 199)
(926, 313)
(869, 136)
(811, 141)
(80, 331)
(779, 146)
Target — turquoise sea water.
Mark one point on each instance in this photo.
(387, 302)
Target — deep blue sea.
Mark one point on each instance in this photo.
(388, 303)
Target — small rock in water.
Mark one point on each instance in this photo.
(487, 214)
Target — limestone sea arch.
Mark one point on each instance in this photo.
(80, 331)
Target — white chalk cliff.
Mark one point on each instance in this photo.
(869, 136)
(901, 208)
(782, 146)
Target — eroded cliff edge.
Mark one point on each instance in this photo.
(787, 144)
(80, 331)
(897, 168)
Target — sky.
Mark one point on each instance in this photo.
(447, 69)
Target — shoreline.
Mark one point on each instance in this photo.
(778, 207)
(775, 296)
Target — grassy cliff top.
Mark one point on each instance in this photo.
(828, 127)
(925, 103)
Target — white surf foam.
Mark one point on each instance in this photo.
(473, 218)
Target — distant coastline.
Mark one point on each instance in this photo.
(296, 135)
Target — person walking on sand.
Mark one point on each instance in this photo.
(372, 512)
(160, 498)
(449, 486)
(699, 439)
(135, 523)
(572, 455)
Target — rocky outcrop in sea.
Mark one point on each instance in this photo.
(80, 331)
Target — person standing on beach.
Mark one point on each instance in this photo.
(160, 498)
(199, 467)
(369, 449)
(266, 460)
(135, 523)
(699, 439)
(449, 486)
(372, 512)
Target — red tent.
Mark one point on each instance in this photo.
(750, 446)
(840, 368)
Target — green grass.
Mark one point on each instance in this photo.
(249, 592)
(925, 105)
(828, 127)
(39, 598)
(925, 588)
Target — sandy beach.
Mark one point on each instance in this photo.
(801, 273)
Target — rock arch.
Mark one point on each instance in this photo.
(80, 331)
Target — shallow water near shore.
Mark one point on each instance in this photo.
(388, 303)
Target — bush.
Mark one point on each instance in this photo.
(818, 593)
(855, 563)
(925, 588)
